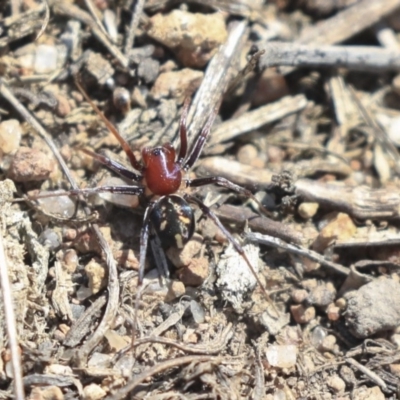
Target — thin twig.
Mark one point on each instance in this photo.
(133, 26)
(45, 21)
(112, 304)
(74, 12)
(380, 134)
(361, 202)
(216, 79)
(348, 22)
(10, 324)
(296, 249)
(242, 216)
(366, 371)
(157, 369)
(93, 12)
(214, 347)
(254, 119)
(15, 7)
(356, 58)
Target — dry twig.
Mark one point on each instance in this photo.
(348, 22)
(361, 202)
(356, 58)
(10, 323)
(255, 119)
(296, 249)
(216, 79)
(45, 21)
(133, 26)
(214, 347)
(74, 12)
(93, 12)
(158, 368)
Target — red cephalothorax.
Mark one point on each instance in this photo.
(161, 171)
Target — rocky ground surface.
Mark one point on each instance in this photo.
(306, 100)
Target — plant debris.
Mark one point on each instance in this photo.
(306, 96)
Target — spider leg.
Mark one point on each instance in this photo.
(114, 166)
(124, 144)
(220, 181)
(198, 145)
(159, 257)
(208, 213)
(183, 132)
(144, 241)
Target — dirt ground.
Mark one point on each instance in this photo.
(289, 287)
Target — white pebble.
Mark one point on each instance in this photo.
(282, 356)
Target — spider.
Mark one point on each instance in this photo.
(159, 180)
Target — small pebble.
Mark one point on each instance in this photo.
(193, 37)
(373, 308)
(197, 311)
(70, 260)
(45, 59)
(148, 70)
(322, 295)
(63, 107)
(126, 258)
(328, 343)
(336, 384)
(299, 295)
(348, 375)
(317, 336)
(364, 393)
(195, 273)
(282, 356)
(338, 228)
(41, 58)
(58, 336)
(30, 165)
(333, 313)
(69, 234)
(396, 84)
(50, 239)
(395, 339)
(116, 342)
(98, 67)
(99, 360)
(309, 284)
(176, 289)
(395, 369)
(177, 84)
(247, 154)
(61, 206)
(393, 131)
(275, 154)
(307, 210)
(93, 392)
(183, 257)
(47, 393)
(10, 138)
(58, 369)
(341, 303)
(301, 314)
(97, 275)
